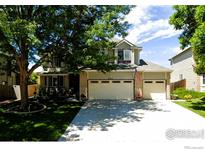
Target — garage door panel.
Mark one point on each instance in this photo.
(154, 89)
(111, 89)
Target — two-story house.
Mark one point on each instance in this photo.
(182, 66)
(137, 79)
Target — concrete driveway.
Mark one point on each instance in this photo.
(107, 121)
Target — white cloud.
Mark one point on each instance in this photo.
(138, 15)
(176, 50)
(145, 29)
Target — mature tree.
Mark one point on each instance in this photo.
(191, 20)
(75, 33)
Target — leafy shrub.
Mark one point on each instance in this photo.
(181, 92)
(188, 97)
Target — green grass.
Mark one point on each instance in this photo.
(196, 105)
(47, 125)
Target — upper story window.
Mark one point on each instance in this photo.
(57, 62)
(181, 77)
(124, 56)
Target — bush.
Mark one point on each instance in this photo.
(188, 97)
(181, 92)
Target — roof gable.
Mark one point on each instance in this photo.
(127, 42)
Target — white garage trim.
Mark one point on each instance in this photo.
(154, 89)
(111, 89)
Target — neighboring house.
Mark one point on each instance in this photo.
(136, 79)
(6, 76)
(182, 66)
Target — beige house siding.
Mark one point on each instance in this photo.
(111, 75)
(83, 83)
(198, 83)
(183, 64)
(154, 75)
(124, 45)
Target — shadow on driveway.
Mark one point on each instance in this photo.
(100, 115)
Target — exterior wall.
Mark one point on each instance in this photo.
(154, 75)
(136, 56)
(83, 83)
(124, 46)
(199, 84)
(183, 65)
(168, 88)
(111, 75)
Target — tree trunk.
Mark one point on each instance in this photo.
(24, 86)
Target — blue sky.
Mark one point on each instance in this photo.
(152, 31)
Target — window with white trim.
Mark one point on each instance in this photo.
(127, 55)
(203, 79)
(124, 56)
(54, 81)
(181, 77)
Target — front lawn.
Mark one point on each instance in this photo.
(47, 125)
(196, 105)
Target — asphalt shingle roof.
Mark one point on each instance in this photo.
(147, 66)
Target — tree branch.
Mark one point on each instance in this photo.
(37, 64)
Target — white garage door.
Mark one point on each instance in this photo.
(110, 89)
(154, 89)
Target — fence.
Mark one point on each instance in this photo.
(7, 91)
(32, 89)
(178, 84)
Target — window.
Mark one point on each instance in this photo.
(127, 55)
(115, 81)
(60, 81)
(45, 81)
(120, 55)
(127, 81)
(181, 77)
(54, 81)
(56, 62)
(203, 78)
(159, 82)
(50, 81)
(148, 82)
(93, 81)
(124, 56)
(104, 81)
